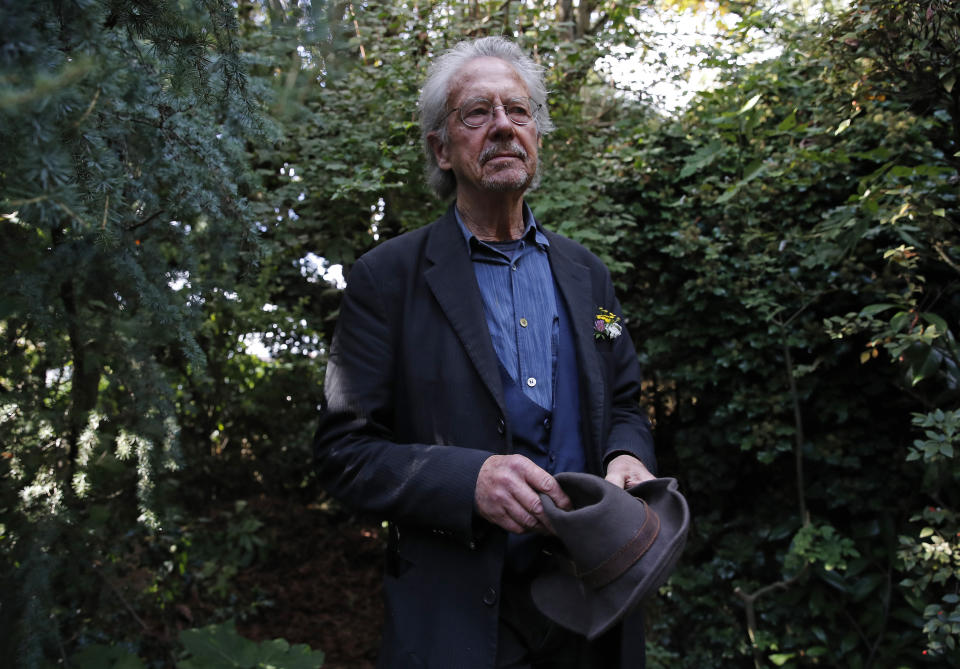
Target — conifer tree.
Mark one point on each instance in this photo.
(123, 189)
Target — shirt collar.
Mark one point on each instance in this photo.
(531, 230)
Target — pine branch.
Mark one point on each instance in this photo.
(93, 103)
(140, 224)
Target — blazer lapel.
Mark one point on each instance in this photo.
(454, 284)
(576, 289)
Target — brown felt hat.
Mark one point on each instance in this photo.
(618, 546)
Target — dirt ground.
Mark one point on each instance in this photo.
(323, 575)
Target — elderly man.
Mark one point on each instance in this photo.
(475, 358)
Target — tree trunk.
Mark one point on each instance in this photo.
(583, 18)
(84, 383)
(566, 15)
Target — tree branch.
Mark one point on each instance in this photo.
(123, 601)
(945, 258)
(140, 224)
(93, 103)
(798, 434)
(749, 603)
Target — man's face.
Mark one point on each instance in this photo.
(499, 156)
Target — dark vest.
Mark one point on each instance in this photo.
(552, 439)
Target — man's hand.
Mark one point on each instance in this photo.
(625, 471)
(507, 494)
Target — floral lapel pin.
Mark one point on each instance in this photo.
(606, 325)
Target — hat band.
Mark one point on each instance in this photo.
(614, 566)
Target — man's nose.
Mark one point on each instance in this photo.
(501, 123)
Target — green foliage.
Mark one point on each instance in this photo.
(930, 557)
(220, 647)
(101, 656)
(819, 545)
(931, 560)
(791, 197)
(243, 532)
(211, 647)
(129, 122)
(942, 432)
(207, 550)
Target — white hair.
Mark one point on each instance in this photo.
(436, 90)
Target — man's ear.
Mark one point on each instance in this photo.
(439, 148)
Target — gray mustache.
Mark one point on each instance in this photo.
(512, 149)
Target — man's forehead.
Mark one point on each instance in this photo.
(487, 77)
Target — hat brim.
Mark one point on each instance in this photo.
(566, 600)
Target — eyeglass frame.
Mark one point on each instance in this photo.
(535, 108)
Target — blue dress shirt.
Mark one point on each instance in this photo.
(520, 305)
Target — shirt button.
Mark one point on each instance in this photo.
(531, 382)
(523, 322)
(501, 426)
(546, 423)
(490, 596)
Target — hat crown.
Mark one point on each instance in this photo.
(598, 503)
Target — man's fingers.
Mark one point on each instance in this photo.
(542, 482)
(549, 486)
(626, 471)
(507, 493)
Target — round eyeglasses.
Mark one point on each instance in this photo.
(477, 112)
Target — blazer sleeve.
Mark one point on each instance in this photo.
(630, 430)
(357, 457)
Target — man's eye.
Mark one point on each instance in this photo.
(476, 112)
(519, 110)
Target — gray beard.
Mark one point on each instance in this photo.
(507, 185)
(522, 183)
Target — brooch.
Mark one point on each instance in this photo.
(606, 325)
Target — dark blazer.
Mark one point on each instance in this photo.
(414, 405)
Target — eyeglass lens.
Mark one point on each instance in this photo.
(479, 111)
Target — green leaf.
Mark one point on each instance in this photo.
(781, 659)
(728, 194)
(751, 103)
(900, 320)
(874, 309)
(221, 647)
(99, 656)
(788, 123)
(702, 159)
(936, 320)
